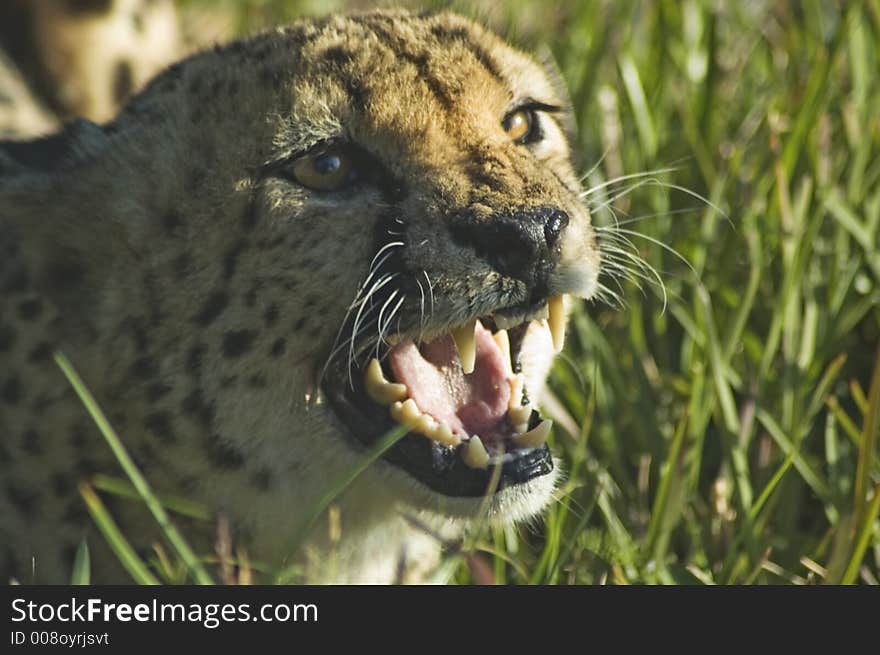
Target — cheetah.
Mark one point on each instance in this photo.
(81, 58)
(279, 251)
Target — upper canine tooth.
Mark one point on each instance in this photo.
(378, 388)
(466, 344)
(503, 340)
(534, 437)
(475, 454)
(556, 321)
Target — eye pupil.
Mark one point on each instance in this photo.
(519, 125)
(327, 164)
(325, 170)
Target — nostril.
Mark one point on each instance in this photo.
(555, 222)
(507, 237)
(518, 243)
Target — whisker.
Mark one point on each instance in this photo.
(653, 181)
(362, 331)
(671, 212)
(357, 319)
(647, 268)
(421, 308)
(624, 178)
(631, 276)
(603, 293)
(608, 203)
(595, 167)
(665, 246)
(383, 328)
(392, 244)
(430, 291)
(379, 325)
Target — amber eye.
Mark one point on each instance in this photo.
(327, 169)
(520, 125)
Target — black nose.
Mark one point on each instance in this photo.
(523, 244)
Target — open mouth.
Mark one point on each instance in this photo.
(463, 397)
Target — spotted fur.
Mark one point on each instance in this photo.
(198, 290)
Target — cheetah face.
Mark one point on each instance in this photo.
(479, 242)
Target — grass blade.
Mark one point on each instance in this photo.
(115, 539)
(82, 571)
(868, 445)
(864, 536)
(176, 504)
(140, 483)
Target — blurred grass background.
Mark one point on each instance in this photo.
(721, 427)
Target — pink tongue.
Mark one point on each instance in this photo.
(470, 404)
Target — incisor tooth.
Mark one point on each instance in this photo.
(556, 321)
(407, 413)
(466, 344)
(535, 437)
(503, 340)
(475, 454)
(425, 425)
(444, 434)
(378, 388)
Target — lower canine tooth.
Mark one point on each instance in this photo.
(556, 321)
(466, 344)
(379, 389)
(475, 454)
(535, 437)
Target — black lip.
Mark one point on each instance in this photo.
(438, 467)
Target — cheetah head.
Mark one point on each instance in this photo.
(457, 150)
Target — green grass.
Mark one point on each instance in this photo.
(720, 428)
